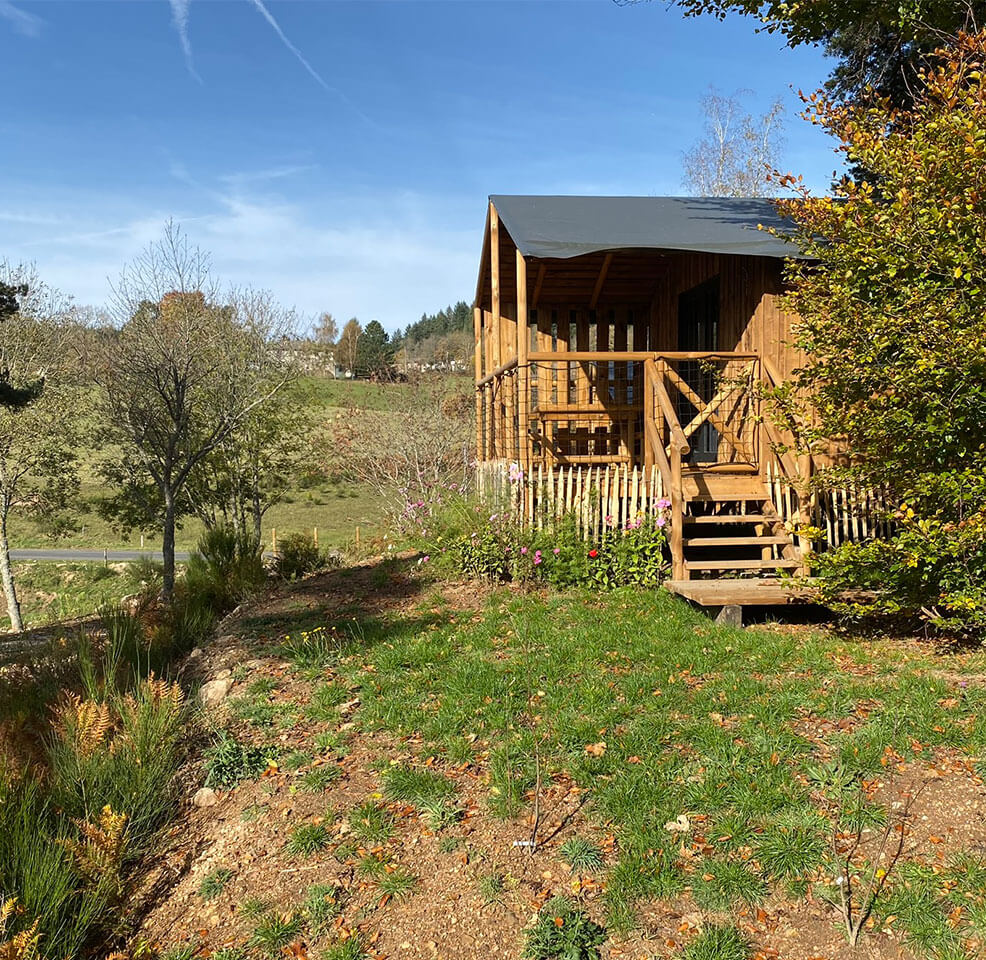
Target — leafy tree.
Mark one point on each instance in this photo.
(893, 308)
(13, 290)
(349, 344)
(875, 43)
(374, 352)
(736, 151)
(186, 369)
(252, 468)
(38, 430)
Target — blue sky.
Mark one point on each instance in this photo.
(340, 153)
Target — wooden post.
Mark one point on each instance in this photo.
(679, 572)
(496, 328)
(315, 536)
(523, 371)
(477, 326)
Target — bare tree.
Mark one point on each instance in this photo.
(37, 438)
(737, 150)
(186, 368)
(326, 330)
(416, 449)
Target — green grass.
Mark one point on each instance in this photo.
(51, 592)
(581, 854)
(695, 719)
(371, 822)
(214, 883)
(417, 786)
(717, 942)
(308, 839)
(275, 931)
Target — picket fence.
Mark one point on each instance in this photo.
(613, 495)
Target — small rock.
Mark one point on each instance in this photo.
(206, 797)
(214, 692)
(223, 674)
(197, 652)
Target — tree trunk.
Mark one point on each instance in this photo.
(258, 517)
(7, 575)
(168, 545)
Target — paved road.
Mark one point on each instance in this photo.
(83, 556)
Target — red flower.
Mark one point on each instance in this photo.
(593, 553)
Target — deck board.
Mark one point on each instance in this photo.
(740, 592)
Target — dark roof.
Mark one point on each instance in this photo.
(563, 227)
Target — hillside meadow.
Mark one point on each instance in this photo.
(322, 500)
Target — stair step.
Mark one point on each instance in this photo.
(764, 541)
(741, 564)
(731, 518)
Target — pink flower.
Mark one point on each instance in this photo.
(523, 550)
(556, 551)
(661, 521)
(663, 503)
(537, 560)
(425, 558)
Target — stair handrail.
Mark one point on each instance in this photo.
(679, 449)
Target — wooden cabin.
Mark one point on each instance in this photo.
(619, 345)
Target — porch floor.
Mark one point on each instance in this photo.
(741, 592)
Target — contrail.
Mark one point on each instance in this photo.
(179, 13)
(268, 16)
(24, 22)
(316, 76)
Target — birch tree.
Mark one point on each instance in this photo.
(737, 150)
(189, 364)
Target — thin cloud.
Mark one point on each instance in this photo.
(269, 17)
(179, 16)
(25, 23)
(316, 76)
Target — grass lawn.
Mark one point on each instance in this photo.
(692, 788)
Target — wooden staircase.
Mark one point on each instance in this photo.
(731, 526)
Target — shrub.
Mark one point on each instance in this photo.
(225, 567)
(229, 762)
(564, 932)
(66, 845)
(297, 556)
(467, 540)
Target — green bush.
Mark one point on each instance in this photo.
(297, 556)
(465, 539)
(563, 932)
(229, 761)
(225, 567)
(67, 843)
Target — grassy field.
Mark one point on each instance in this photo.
(448, 763)
(334, 507)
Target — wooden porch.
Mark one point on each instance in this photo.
(619, 376)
